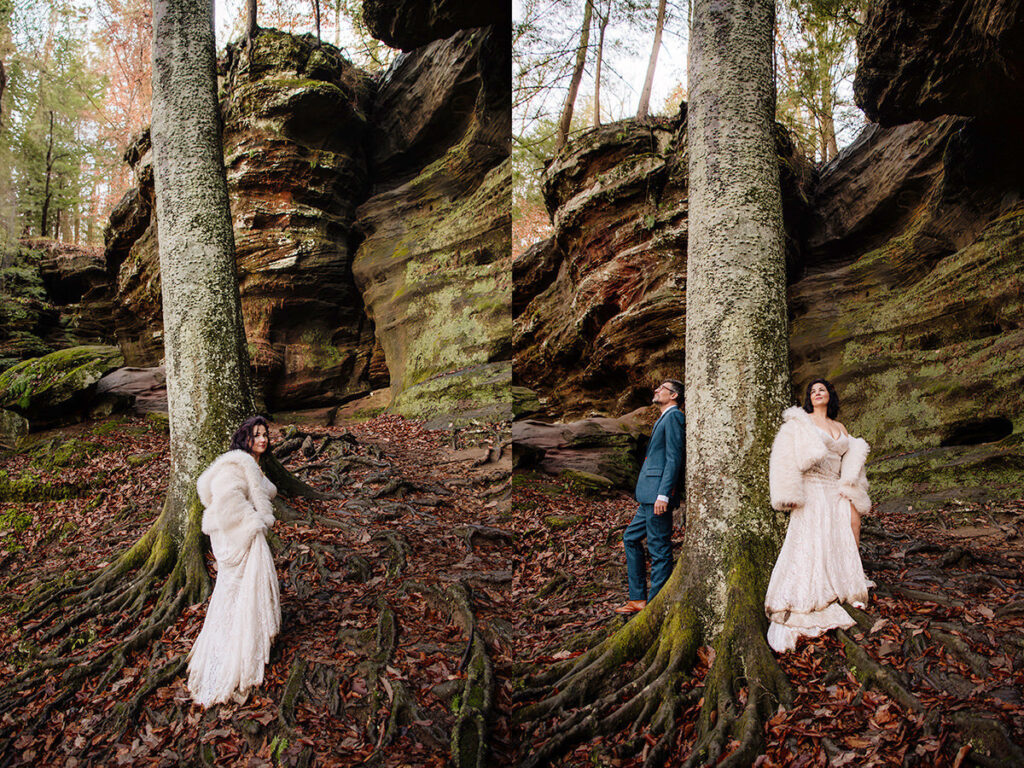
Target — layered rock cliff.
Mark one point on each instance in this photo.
(409, 24)
(434, 264)
(295, 125)
(52, 296)
(918, 61)
(422, 153)
(601, 306)
(907, 290)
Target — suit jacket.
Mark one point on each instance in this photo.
(661, 474)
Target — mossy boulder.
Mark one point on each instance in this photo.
(12, 425)
(479, 392)
(57, 388)
(587, 482)
(525, 402)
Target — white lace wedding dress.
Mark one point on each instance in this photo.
(819, 565)
(244, 614)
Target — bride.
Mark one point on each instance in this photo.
(244, 613)
(816, 473)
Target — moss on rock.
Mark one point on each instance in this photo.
(48, 389)
(29, 487)
(480, 391)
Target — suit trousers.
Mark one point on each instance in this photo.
(657, 529)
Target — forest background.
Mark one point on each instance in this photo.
(582, 63)
(75, 89)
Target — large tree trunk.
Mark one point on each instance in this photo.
(645, 94)
(208, 390)
(737, 377)
(565, 121)
(207, 362)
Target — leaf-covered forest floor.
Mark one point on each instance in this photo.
(388, 590)
(947, 617)
(382, 591)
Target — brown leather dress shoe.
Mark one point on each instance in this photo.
(632, 606)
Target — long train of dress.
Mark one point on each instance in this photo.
(819, 565)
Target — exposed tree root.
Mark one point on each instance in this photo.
(403, 709)
(398, 549)
(469, 533)
(640, 679)
(989, 743)
(469, 746)
(161, 573)
(287, 483)
(386, 639)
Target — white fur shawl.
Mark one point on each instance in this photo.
(797, 448)
(237, 498)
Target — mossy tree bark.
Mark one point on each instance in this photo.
(736, 387)
(208, 391)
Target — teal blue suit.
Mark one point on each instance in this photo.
(660, 475)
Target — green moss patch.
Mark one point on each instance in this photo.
(44, 384)
(159, 421)
(29, 487)
(562, 522)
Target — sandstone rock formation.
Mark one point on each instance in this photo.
(608, 448)
(296, 119)
(409, 24)
(308, 138)
(917, 314)
(434, 264)
(919, 61)
(601, 309)
(907, 289)
(146, 388)
(294, 134)
(52, 296)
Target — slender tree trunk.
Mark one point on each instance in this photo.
(251, 27)
(577, 74)
(316, 18)
(737, 375)
(829, 129)
(597, 70)
(208, 391)
(645, 94)
(44, 218)
(3, 86)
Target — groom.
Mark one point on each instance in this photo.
(657, 491)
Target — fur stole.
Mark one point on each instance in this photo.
(237, 498)
(799, 447)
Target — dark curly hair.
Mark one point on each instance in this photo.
(832, 409)
(242, 439)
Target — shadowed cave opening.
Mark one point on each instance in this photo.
(977, 431)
